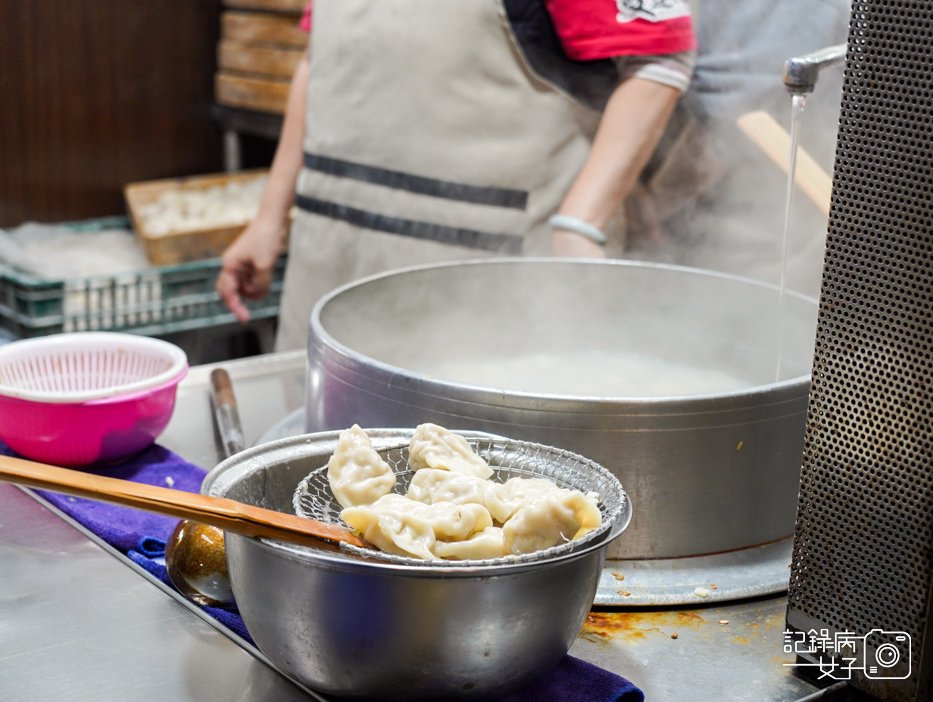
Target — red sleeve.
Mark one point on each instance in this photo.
(305, 22)
(597, 29)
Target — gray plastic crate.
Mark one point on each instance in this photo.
(152, 302)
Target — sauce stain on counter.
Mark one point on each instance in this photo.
(636, 626)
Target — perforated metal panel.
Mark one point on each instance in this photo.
(864, 537)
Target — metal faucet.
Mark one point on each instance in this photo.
(801, 72)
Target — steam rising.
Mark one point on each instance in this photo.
(558, 327)
(712, 198)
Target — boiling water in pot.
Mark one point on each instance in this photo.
(589, 373)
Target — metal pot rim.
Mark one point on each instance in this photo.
(557, 402)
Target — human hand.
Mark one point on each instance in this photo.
(568, 244)
(247, 264)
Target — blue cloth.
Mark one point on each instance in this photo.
(141, 537)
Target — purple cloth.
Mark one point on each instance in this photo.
(141, 536)
(575, 680)
(137, 534)
(124, 527)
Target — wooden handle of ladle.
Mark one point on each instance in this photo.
(221, 512)
(226, 412)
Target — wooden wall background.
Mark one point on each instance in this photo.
(98, 93)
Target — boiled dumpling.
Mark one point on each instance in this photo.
(412, 528)
(433, 446)
(527, 488)
(452, 510)
(452, 522)
(489, 543)
(501, 499)
(550, 519)
(356, 473)
(515, 493)
(392, 530)
(430, 485)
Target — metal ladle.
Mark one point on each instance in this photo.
(195, 554)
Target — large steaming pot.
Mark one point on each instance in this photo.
(706, 473)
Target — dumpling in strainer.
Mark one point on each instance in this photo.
(356, 473)
(550, 518)
(398, 524)
(430, 485)
(433, 446)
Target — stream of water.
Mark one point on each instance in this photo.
(797, 106)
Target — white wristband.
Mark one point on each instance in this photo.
(578, 226)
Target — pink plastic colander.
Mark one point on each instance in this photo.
(82, 398)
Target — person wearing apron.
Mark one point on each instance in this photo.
(421, 131)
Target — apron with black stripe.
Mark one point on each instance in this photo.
(428, 139)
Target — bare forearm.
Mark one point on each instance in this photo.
(280, 190)
(629, 131)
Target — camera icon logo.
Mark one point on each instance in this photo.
(891, 659)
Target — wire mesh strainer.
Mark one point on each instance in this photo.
(508, 458)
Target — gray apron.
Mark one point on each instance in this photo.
(427, 139)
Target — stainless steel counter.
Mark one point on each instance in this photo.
(78, 621)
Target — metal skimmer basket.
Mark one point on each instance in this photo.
(508, 459)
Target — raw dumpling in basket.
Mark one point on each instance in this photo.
(356, 473)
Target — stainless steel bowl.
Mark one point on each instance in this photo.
(708, 472)
(357, 627)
